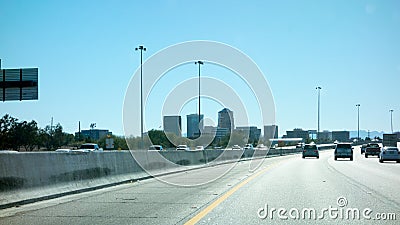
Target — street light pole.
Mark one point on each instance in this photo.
(391, 119)
(141, 48)
(200, 63)
(319, 90)
(358, 121)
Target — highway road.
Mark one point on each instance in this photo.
(286, 187)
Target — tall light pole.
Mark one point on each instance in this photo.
(358, 121)
(141, 48)
(319, 96)
(391, 119)
(200, 63)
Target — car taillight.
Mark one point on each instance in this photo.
(315, 151)
(304, 150)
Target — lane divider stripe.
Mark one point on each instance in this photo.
(213, 205)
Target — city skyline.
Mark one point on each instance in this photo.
(350, 49)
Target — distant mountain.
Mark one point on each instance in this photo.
(364, 134)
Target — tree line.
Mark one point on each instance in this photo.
(27, 136)
(23, 135)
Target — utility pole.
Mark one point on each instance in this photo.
(358, 121)
(79, 131)
(319, 96)
(200, 63)
(391, 119)
(141, 48)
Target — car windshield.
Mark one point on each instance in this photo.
(343, 146)
(374, 145)
(310, 147)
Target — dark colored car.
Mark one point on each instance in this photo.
(363, 147)
(344, 150)
(310, 150)
(372, 149)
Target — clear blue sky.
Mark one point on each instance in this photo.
(85, 54)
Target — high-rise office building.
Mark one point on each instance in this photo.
(193, 127)
(270, 132)
(252, 132)
(173, 124)
(225, 119)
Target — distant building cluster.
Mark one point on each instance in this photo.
(226, 125)
(341, 136)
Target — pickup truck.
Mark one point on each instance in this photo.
(372, 149)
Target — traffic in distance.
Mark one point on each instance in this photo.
(346, 150)
(202, 148)
(342, 150)
(84, 148)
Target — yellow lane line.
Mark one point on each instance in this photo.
(213, 205)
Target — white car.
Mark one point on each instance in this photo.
(88, 147)
(182, 148)
(261, 146)
(236, 147)
(156, 147)
(248, 146)
(64, 150)
(389, 154)
(199, 148)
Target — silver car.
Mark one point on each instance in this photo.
(389, 154)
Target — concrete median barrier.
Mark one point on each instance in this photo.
(31, 176)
